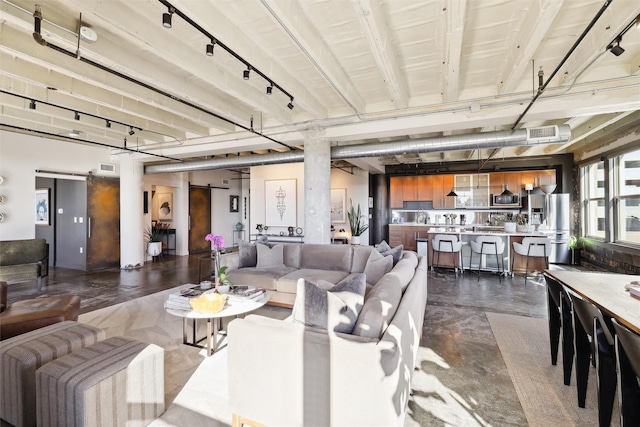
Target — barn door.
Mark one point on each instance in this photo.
(199, 218)
(103, 223)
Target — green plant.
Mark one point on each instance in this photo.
(152, 235)
(573, 242)
(223, 277)
(356, 220)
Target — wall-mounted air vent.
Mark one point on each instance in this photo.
(542, 133)
(106, 168)
(225, 182)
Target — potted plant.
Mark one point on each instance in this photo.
(153, 239)
(575, 250)
(356, 223)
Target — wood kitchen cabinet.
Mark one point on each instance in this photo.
(447, 186)
(395, 192)
(395, 235)
(410, 188)
(425, 186)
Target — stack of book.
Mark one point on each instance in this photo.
(180, 300)
(243, 293)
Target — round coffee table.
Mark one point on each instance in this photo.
(231, 308)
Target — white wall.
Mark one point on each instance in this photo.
(356, 185)
(20, 156)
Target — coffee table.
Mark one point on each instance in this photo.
(231, 308)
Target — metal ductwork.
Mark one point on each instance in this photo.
(487, 140)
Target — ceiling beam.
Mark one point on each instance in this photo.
(456, 11)
(380, 40)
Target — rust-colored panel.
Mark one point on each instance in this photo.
(200, 217)
(103, 212)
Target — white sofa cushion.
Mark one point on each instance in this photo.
(377, 266)
(379, 307)
(335, 309)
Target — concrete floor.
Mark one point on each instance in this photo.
(456, 328)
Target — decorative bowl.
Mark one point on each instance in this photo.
(208, 303)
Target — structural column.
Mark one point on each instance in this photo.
(317, 187)
(132, 249)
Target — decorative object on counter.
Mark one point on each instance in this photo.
(510, 227)
(522, 224)
(575, 250)
(290, 230)
(217, 243)
(208, 303)
(356, 223)
(266, 228)
(463, 219)
(239, 226)
(299, 231)
(153, 239)
(259, 228)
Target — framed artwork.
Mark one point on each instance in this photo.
(338, 196)
(280, 202)
(42, 206)
(233, 203)
(165, 206)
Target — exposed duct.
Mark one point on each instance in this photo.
(487, 140)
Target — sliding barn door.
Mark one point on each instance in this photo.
(103, 223)
(199, 218)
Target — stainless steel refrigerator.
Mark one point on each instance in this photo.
(552, 215)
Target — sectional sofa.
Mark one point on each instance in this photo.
(295, 373)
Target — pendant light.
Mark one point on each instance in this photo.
(506, 191)
(452, 193)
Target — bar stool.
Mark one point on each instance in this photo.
(448, 243)
(488, 245)
(588, 322)
(560, 320)
(627, 344)
(539, 247)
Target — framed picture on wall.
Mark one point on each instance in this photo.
(42, 206)
(280, 202)
(165, 206)
(338, 196)
(233, 203)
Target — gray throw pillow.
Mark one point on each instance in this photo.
(396, 253)
(248, 254)
(379, 308)
(270, 257)
(335, 309)
(383, 246)
(377, 266)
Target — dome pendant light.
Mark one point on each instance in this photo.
(506, 191)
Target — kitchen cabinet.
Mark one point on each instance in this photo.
(395, 192)
(395, 235)
(410, 188)
(447, 186)
(426, 185)
(406, 235)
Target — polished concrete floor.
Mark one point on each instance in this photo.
(455, 328)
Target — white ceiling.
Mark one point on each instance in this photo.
(359, 70)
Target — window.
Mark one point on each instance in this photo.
(594, 207)
(627, 197)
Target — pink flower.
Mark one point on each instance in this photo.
(218, 241)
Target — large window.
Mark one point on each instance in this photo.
(627, 197)
(593, 183)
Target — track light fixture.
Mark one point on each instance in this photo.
(245, 73)
(616, 49)
(290, 104)
(166, 18)
(270, 89)
(108, 123)
(131, 131)
(210, 48)
(76, 116)
(32, 105)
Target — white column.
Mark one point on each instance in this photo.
(317, 187)
(132, 249)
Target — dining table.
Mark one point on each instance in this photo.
(606, 291)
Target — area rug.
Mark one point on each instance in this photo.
(546, 401)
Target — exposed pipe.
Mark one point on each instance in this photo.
(485, 140)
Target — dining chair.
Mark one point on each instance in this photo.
(627, 346)
(532, 247)
(560, 320)
(488, 245)
(593, 341)
(447, 243)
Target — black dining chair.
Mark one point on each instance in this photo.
(588, 322)
(560, 320)
(627, 344)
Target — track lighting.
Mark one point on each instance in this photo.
(74, 133)
(76, 116)
(32, 105)
(166, 18)
(210, 48)
(270, 89)
(131, 131)
(615, 48)
(245, 73)
(108, 123)
(290, 104)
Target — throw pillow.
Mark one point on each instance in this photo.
(336, 309)
(248, 254)
(377, 266)
(270, 257)
(383, 246)
(379, 308)
(396, 253)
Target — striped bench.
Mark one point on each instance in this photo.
(115, 382)
(23, 354)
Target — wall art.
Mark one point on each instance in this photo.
(42, 206)
(165, 206)
(280, 202)
(338, 197)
